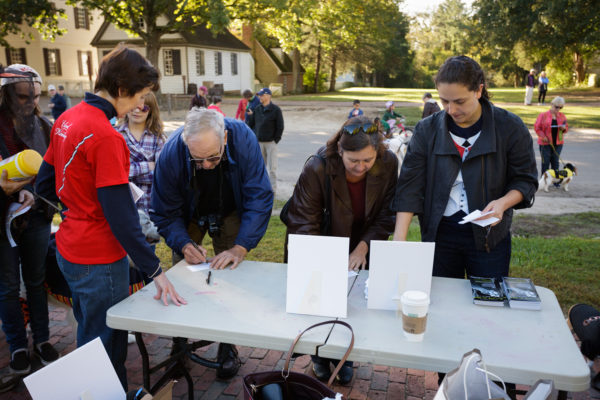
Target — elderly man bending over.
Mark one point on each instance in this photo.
(211, 177)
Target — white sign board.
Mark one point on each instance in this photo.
(395, 267)
(85, 372)
(317, 275)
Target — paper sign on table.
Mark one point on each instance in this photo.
(317, 275)
(395, 267)
(85, 370)
(477, 214)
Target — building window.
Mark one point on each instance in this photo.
(82, 18)
(234, 64)
(199, 62)
(84, 59)
(218, 63)
(52, 61)
(172, 62)
(15, 56)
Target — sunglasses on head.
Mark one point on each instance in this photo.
(367, 128)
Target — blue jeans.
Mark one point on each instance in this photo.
(28, 259)
(96, 288)
(455, 254)
(549, 156)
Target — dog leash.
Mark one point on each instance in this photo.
(558, 155)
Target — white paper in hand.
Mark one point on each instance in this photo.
(477, 214)
(136, 192)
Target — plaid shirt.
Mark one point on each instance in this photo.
(140, 154)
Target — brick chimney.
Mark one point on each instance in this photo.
(247, 36)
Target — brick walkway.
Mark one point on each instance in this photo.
(375, 382)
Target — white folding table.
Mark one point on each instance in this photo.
(246, 306)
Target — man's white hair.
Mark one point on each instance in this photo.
(200, 120)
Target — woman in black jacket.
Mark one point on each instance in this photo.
(472, 156)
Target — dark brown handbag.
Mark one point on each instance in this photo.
(294, 385)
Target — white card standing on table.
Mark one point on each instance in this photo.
(85, 372)
(317, 275)
(395, 267)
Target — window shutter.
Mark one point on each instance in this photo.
(23, 56)
(176, 62)
(79, 63)
(87, 19)
(46, 62)
(8, 60)
(58, 67)
(76, 14)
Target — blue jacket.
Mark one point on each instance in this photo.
(173, 200)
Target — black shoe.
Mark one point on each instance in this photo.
(321, 369)
(45, 352)
(345, 374)
(19, 362)
(8, 382)
(227, 356)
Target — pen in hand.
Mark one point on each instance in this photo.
(200, 250)
(208, 278)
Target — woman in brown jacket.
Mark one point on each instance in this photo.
(362, 178)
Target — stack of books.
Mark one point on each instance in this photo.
(517, 292)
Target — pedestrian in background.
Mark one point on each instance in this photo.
(430, 106)
(61, 91)
(216, 105)
(529, 85)
(267, 123)
(58, 104)
(243, 104)
(550, 126)
(542, 88)
(199, 99)
(356, 111)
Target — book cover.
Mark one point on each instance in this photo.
(487, 291)
(521, 293)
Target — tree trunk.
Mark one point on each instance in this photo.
(317, 68)
(333, 72)
(517, 81)
(152, 49)
(296, 86)
(579, 67)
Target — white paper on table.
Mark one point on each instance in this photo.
(395, 267)
(199, 267)
(477, 214)
(10, 215)
(85, 370)
(136, 192)
(317, 275)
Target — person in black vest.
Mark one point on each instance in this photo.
(267, 123)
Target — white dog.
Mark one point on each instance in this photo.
(398, 144)
(561, 177)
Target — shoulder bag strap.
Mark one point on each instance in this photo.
(285, 372)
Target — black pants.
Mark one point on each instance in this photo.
(455, 252)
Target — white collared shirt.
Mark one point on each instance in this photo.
(458, 196)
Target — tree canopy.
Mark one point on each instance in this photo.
(39, 14)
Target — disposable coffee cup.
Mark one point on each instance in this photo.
(415, 305)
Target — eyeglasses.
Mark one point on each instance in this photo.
(213, 159)
(558, 107)
(367, 128)
(144, 109)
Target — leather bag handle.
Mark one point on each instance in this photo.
(285, 372)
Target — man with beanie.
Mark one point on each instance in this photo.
(58, 104)
(23, 127)
(267, 123)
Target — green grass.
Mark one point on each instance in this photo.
(578, 116)
(499, 95)
(557, 252)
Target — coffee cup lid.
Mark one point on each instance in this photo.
(415, 298)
